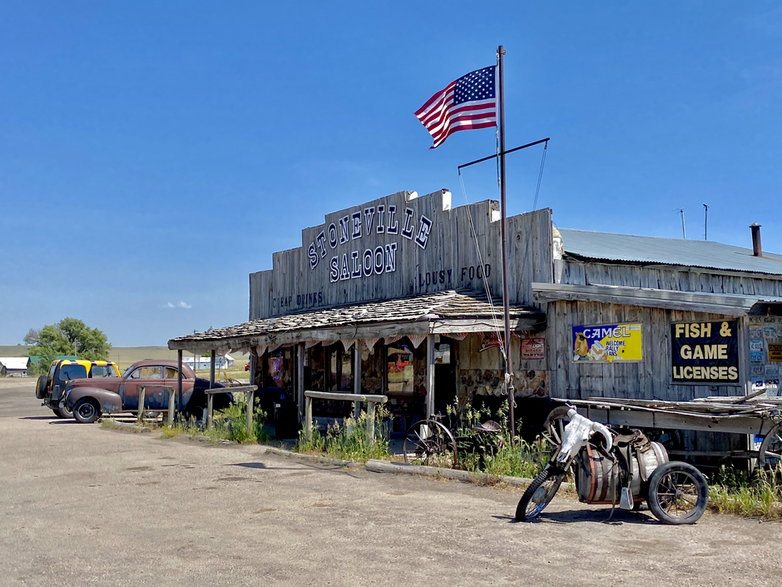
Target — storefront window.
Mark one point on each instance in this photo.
(340, 369)
(276, 367)
(400, 369)
(442, 353)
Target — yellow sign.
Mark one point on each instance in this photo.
(608, 343)
(774, 352)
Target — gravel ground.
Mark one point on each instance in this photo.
(80, 504)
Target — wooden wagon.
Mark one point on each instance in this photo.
(756, 415)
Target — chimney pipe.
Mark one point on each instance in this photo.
(757, 250)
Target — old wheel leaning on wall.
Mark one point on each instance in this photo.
(770, 450)
(428, 442)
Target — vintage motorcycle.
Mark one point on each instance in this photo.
(614, 469)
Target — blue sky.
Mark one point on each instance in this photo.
(153, 154)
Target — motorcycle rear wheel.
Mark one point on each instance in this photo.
(539, 494)
(678, 493)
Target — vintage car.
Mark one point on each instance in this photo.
(51, 387)
(89, 398)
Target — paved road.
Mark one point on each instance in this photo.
(80, 504)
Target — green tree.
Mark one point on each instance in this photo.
(68, 337)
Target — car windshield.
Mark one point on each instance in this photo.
(68, 372)
(102, 371)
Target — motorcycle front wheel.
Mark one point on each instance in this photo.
(539, 493)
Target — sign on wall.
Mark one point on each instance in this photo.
(765, 353)
(533, 348)
(705, 352)
(608, 343)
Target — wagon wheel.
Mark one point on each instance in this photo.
(554, 428)
(428, 442)
(770, 450)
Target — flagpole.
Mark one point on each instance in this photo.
(508, 379)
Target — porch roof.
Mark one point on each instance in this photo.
(436, 313)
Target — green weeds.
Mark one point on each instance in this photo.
(228, 424)
(759, 495)
(496, 454)
(349, 440)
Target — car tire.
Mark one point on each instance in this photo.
(40, 386)
(64, 413)
(86, 410)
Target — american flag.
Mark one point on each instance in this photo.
(469, 102)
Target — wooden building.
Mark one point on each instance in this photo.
(401, 296)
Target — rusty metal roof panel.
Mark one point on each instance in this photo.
(667, 251)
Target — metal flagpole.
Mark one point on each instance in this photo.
(508, 379)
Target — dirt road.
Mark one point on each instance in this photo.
(83, 505)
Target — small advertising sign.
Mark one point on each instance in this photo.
(608, 343)
(774, 352)
(705, 352)
(533, 348)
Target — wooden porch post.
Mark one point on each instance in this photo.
(429, 375)
(212, 371)
(356, 377)
(300, 351)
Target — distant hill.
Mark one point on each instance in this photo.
(123, 356)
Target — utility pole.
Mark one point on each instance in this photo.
(705, 222)
(684, 228)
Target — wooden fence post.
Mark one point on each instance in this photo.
(371, 422)
(370, 399)
(308, 416)
(142, 392)
(171, 406)
(210, 402)
(250, 397)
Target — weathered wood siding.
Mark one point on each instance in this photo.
(403, 245)
(691, 279)
(649, 378)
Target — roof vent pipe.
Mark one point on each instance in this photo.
(757, 250)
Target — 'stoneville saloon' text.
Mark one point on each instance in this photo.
(359, 263)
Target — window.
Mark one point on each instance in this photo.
(442, 353)
(171, 373)
(400, 368)
(101, 371)
(68, 372)
(340, 368)
(149, 372)
(277, 367)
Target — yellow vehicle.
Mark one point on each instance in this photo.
(51, 387)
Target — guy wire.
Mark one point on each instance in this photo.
(485, 280)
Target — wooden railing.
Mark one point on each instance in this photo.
(370, 400)
(249, 392)
(142, 399)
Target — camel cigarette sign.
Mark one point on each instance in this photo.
(607, 343)
(705, 352)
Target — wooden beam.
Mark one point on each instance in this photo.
(429, 375)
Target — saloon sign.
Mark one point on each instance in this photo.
(358, 262)
(705, 352)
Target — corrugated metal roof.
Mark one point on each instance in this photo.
(668, 251)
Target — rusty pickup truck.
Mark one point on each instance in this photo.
(89, 398)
